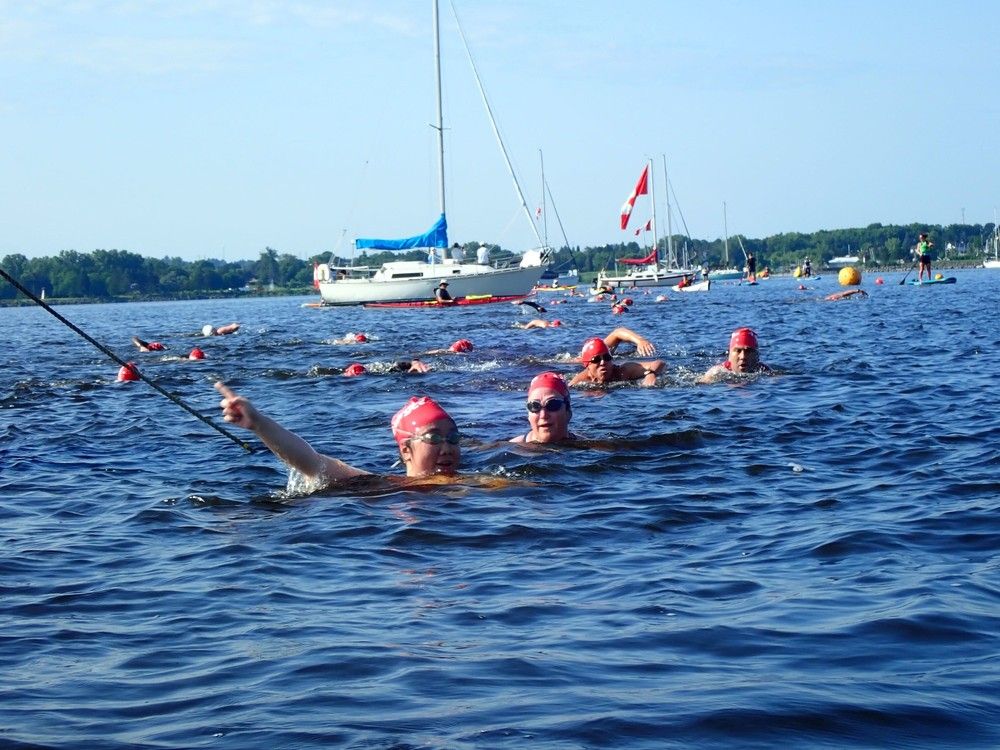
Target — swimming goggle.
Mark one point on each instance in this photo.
(600, 358)
(436, 438)
(552, 405)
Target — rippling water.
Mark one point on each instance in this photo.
(809, 559)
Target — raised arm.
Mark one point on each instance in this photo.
(643, 346)
(647, 371)
(282, 442)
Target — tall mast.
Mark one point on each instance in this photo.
(725, 228)
(670, 230)
(440, 118)
(652, 202)
(545, 215)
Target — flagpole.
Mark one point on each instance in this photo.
(652, 200)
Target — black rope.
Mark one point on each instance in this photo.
(27, 293)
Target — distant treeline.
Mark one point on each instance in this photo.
(120, 274)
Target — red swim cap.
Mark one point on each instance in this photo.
(555, 323)
(196, 353)
(418, 412)
(353, 370)
(618, 309)
(361, 338)
(550, 380)
(128, 372)
(627, 301)
(462, 345)
(592, 348)
(743, 337)
(155, 346)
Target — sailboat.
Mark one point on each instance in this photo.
(416, 281)
(995, 244)
(651, 270)
(729, 273)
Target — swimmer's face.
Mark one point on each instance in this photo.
(549, 426)
(600, 368)
(433, 449)
(744, 359)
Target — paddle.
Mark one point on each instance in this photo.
(903, 280)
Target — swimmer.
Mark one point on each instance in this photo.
(597, 361)
(352, 338)
(208, 330)
(147, 346)
(743, 358)
(196, 353)
(128, 373)
(845, 295)
(462, 346)
(539, 323)
(529, 303)
(426, 436)
(409, 366)
(549, 411)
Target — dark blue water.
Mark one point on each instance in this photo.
(808, 560)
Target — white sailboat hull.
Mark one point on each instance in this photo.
(991, 264)
(410, 281)
(647, 276)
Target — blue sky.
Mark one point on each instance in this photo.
(216, 128)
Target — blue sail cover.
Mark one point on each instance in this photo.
(436, 236)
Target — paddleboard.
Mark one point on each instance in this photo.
(949, 280)
(472, 299)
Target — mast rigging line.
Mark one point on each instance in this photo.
(493, 124)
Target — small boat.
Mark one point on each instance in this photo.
(695, 286)
(993, 262)
(928, 282)
(651, 270)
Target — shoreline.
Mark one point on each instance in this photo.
(21, 301)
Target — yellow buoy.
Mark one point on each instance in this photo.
(849, 276)
(797, 272)
(938, 276)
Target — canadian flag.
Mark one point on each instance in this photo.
(647, 228)
(641, 188)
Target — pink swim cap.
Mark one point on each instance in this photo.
(550, 380)
(196, 353)
(354, 370)
(592, 348)
(462, 345)
(418, 412)
(555, 323)
(743, 337)
(128, 373)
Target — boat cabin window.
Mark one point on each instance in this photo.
(416, 275)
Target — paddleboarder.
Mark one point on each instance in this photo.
(924, 257)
